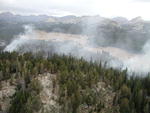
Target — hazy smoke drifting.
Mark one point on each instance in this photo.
(140, 63)
(80, 46)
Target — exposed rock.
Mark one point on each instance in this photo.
(7, 90)
(106, 96)
(49, 93)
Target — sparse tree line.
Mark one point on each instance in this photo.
(77, 79)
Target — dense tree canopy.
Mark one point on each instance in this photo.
(77, 79)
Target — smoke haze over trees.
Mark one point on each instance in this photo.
(119, 42)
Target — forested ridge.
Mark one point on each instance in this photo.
(77, 80)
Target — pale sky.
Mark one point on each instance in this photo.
(105, 8)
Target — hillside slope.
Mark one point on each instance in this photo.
(62, 84)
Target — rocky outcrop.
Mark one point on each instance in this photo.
(49, 93)
(6, 91)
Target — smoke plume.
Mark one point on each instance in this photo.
(140, 63)
(80, 46)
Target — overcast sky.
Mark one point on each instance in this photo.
(106, 8)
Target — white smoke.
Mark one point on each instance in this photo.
(80, 46)
(20, 40)
(140, 63)
(34, 40)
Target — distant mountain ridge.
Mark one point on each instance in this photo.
(117, 32)
(7, 15)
